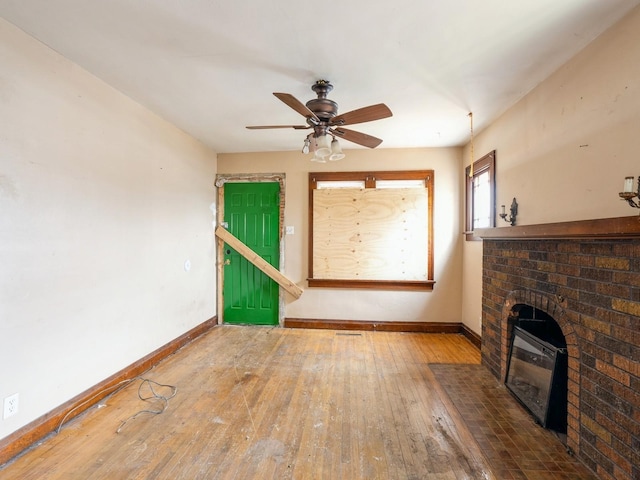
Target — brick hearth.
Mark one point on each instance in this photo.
(589, 282)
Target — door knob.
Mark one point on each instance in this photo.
(227, 262)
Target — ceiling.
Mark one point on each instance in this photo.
(210, 66)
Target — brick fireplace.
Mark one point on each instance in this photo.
(586, 276)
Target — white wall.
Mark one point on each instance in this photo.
(101, 204)
(563, 151)
(443, 304)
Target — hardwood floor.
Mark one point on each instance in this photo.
(260, 402)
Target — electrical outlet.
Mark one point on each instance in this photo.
(11, 405)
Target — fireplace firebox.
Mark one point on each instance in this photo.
(537, 377)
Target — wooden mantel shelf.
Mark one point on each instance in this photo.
(620, 227)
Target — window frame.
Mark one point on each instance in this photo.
(370, 179)
(485, 164)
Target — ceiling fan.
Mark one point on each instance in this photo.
(322, 116)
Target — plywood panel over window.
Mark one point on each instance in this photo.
(370, 234)
(371, 229)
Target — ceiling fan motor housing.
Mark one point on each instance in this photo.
(324, 108)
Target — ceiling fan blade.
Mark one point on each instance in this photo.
(356, 137)
(361, 115)
(297, 105)
(259, 127)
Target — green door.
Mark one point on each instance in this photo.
(252, 212)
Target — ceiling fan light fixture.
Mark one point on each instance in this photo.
(319, 158)
(305, 147)
(322, 146)
(336, 150)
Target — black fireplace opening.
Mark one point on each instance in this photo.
(537, 367)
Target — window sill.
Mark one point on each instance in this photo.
(408, 285)
(471, 236)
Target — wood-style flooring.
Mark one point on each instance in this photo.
(274, 403)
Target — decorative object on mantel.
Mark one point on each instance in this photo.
(619, 227)
(628, 194)
(513, 213)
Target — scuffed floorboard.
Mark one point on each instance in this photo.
(260, 402)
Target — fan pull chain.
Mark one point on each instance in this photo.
(471, 143)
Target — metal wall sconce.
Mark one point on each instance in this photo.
(628, 194)
(513, 213)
